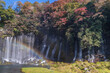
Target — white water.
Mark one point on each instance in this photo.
(75, 52)
(92, 56)
(103, 49)
(8, 46)
(44, 44)
(88, 55)
(18, 52)
(80, 54)
(46, 56)
(18, 49)
(53, 52)
(59, 51)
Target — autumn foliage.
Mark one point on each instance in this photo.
(75, 20)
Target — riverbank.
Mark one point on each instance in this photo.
(77, 67)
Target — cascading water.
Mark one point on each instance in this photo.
(44, 44)
(75, 51)
(46, 56)
(59, 51)
(88, 54)
(8, 48)
(53, 52)
(14, 51)
(92, 56)
(19, 49)
(80, 53)
(103, 49)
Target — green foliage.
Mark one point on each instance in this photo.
(25, 21)
(91, 34)
(5, 14)
(82, 67)
(70, 7)
(16, 30)
(38, 70)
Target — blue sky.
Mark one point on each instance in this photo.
(11, 2)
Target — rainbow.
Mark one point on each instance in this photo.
(35, 51)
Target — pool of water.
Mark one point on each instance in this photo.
(13, 68)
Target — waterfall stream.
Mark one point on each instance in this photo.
(92, 56)
(80, 53)
(47, 52)
(19, 49)
(44, 44)
(88, 54)
(75, 51)
(8, 47)
(59, 51)
(53, 52)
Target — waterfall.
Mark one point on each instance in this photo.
(19, 49)
(46, 56)
(44, 44)
(92, 56)
(8, 48)
(53, 52)
(1, 46)
(59, 51)
(103, 49)
(14, 51)
(88, 54)
(75, 52)
(80, 53)
(67, 49)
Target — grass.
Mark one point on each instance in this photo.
(77, 67)
(38, 70)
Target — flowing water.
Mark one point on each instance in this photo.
(59, 51)
(19, 52)
(53, 52)
(19, 49)
(47, 52)
(80, 54)
(76, 47)
(44, 44)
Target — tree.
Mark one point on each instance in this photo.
(5, 14)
